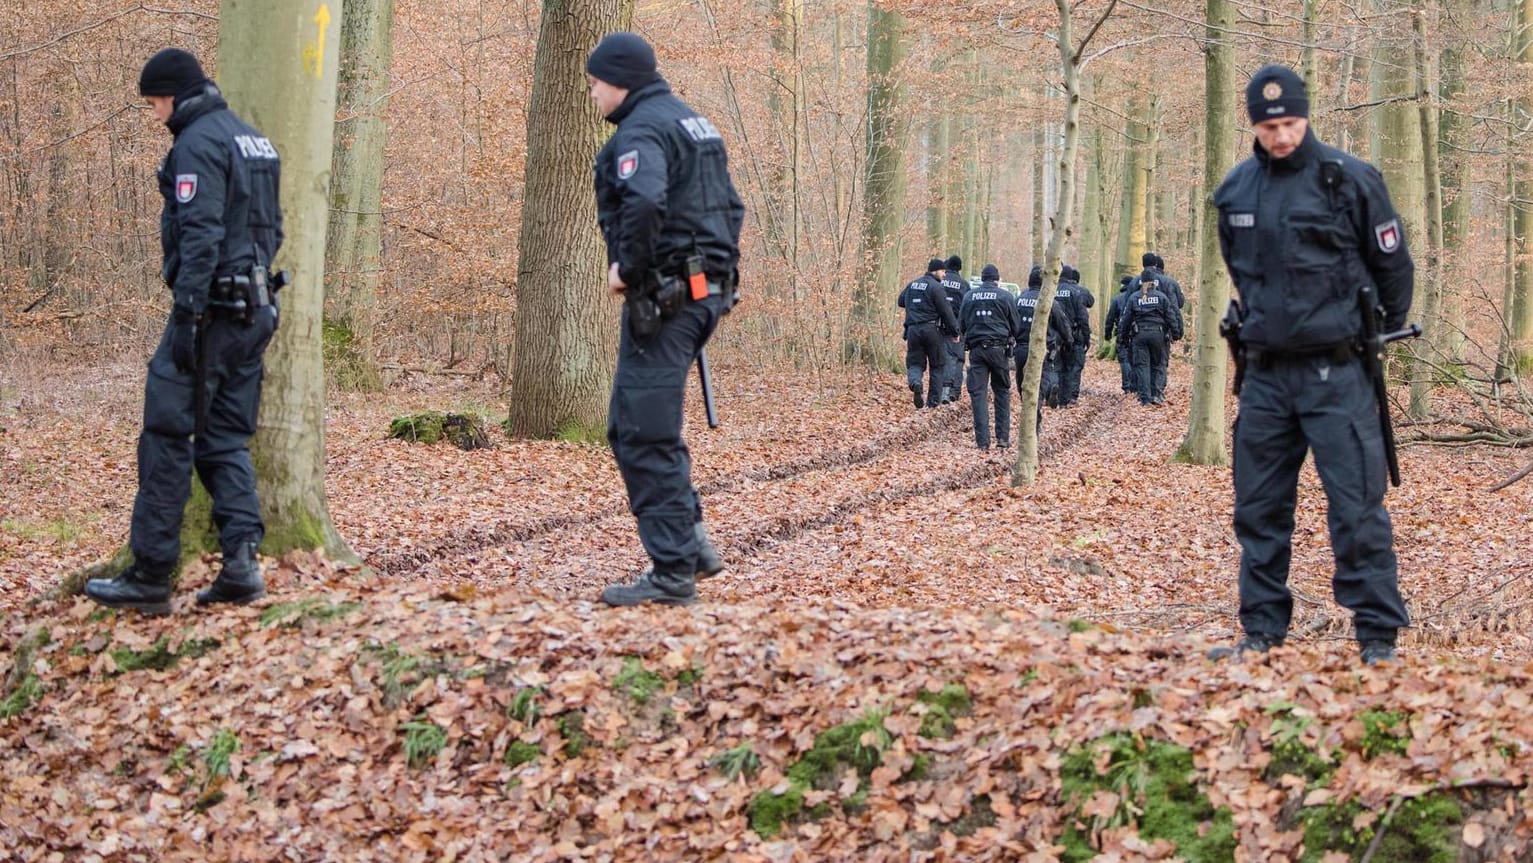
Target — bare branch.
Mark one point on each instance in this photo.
(86, 28)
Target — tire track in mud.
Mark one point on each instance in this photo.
(913, 431)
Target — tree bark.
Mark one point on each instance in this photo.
(1205, 439)
(1426, 351)
(1131, 217)
(566, 324)
(354, 247)
(874, 323)
(1520, 354)
(277, 64)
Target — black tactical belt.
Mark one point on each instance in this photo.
(989, 343)
(1337, 354)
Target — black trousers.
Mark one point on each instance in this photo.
(952, 373)
(644, 429)
(167, 452)
(990, 366)
(1151, 362)
(1286, 410)
(925, 348)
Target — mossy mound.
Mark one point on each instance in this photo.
(1156, 791)
(1419, 830)
(464, 431)
(858, 745)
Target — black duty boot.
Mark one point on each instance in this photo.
(709, 563)
(239, 581)
(1378, 652)
(657, 586)
(135, 588)
(916, 392)
(1254, 642)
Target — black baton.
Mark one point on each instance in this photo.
(705, 377)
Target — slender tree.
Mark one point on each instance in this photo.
(354, 248)
(1025, 470)
(1519, 357)
(1427, 351)
(883, 199)
(1204, 442)
(277, 64)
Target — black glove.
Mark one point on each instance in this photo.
(183, 339)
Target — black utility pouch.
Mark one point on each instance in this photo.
(643, 317)
(670, 292)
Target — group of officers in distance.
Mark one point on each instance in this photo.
(945, 317)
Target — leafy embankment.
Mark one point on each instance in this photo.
(369, 720)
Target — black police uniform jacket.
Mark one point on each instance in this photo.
(925, 302)
(663, 190)
(1300, 236)
(1061, 333)
(221, 182)
(955, 285)
(989, 315)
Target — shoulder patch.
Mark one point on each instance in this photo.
(628, 164)
(186, 188)
(1242, 220)
(1388, 235)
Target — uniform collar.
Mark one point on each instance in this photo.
(194, 105)
(634, 97)
(1295, 161)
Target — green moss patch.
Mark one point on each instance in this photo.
(22, 689)
(464, 431)
(1292, 752)
(293, 614)
(942, 708)
(1420, 830)
(424, 741)
(1156, 791)
(1384, 731)
(572, 727)
(526, 705)
(637, 683)
(736, 762)
(858, 745)
(521, 752)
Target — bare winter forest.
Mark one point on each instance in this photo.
(919, 651)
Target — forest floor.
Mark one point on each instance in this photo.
(906, 659)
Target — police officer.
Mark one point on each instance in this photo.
(956, 286)
(990, 324)
(220, 227)
(1301, 225)
(929, 318)
(1059, 339)
(1152, 321)
(1081, 301)
(671, 218)
(1111, 330)
(1167, 285)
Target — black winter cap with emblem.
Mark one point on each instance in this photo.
(1035, 277)
(1276, 91)
(935, 264)
(954, 262)
(623, 60)
(170, 72)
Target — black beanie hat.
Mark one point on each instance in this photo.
(1069, 273)
(1160, 263)
(1125, 279)
(1276, 91)
(1149, 277)
(1147, 259)
(1035, 277)
(990, 273)
(169, 73)
(934, 265)
(954, 262)
(623, 60)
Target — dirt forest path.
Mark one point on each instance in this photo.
(817, 489)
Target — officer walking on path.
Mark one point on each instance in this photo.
(1074, 363)
(1302, 225)
(929, 318)
(220, 227)
(671, 218)
(991, 325)
(1058, 339)
(956, 286)
(1153, 322)
(1111, 330)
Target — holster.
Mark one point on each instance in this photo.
(1229, 329)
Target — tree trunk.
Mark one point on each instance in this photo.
(1040, 221)
(277, 64)
(1025, 470)
(1151, 163)
(939, 148)
(1521, 345)
(874, 323)
(354, 247)
(1205, 443)
(1427, 350)
(1131, 217)
(566, 325)
(1454, 142)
